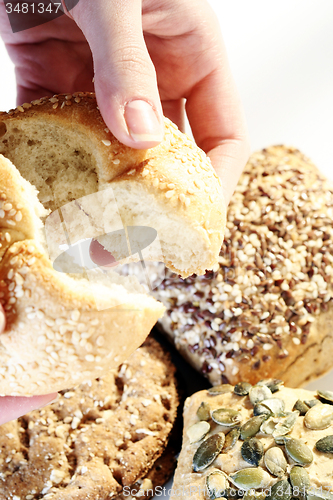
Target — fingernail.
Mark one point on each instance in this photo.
(53, 400)
(142, 122)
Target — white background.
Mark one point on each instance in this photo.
(281, 54)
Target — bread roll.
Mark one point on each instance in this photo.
(62, 146)
(64, 329)
(266, 310)
(266, 446)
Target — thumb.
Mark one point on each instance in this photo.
(125, 78)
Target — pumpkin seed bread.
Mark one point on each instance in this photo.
(260, 443)
(96, 439)
(266, 310)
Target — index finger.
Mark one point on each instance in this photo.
(12, 407)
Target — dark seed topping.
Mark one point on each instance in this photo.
(252, 451)
(325, 445)
(231, 439)
(208, 451)
(301, 406)
(242, 389)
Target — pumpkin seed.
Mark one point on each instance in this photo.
(203, 412)
(300, 480)
(275, 461)
(301, 406)
(274, 384)
(325, 445)
(198, 431)
(227, 417)
(251, 427)
(319, 494)
(259, 393)
(326, 397)
(220, 389)
(298, 451)
(251, 478)
(260, 409)
(269, 425)
(217, 484)
(312, 402)
(275, 405)
(242, 389)
(280, 491)
(319, 417)
(252, 451)
(231, 439)
(208, 451)
(285, 424)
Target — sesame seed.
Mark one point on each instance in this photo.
(100, 341)
(106, 142)
(18, 216)
(169, 194)
(116, 161)
(90, 358)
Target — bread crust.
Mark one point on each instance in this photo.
(267, 309)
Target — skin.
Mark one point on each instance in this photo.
(167, 53)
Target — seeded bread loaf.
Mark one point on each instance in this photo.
(98, 438)
(266, 310)
(250, 438)
(62, 146)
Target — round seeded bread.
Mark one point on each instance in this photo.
(62, 146)
(236, 454)
(97, 438)
(266, 310)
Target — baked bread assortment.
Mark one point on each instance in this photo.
(63, 329)
(266, 310)
(97, 439)
(62, 146)
(266, 440)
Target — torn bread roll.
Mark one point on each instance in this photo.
(62, 329)
(62, 146)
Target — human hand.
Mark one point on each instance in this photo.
(145, 55)
(14, 407)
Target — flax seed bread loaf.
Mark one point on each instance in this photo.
(98, 438)
(62, 329)
(278, 444)
(266, 310)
